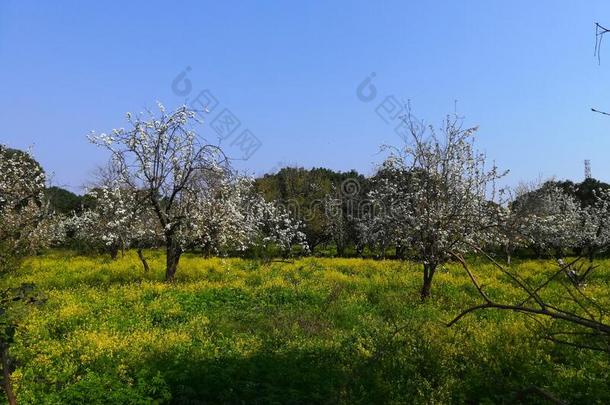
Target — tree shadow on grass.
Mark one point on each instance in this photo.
(264, 378)
(270, 377)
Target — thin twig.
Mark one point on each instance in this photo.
(600, 31)
(600, 112)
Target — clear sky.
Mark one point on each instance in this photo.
(289, 72)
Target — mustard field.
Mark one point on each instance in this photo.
(316, 330)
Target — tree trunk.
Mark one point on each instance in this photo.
(114, 252)
(205, 252)
(6, 374)
(400, 252)
(172, 257)
(508, 250)
(559, 252)
(591, 253)
(143, 260)
(359, 250)
(429, 270)
(340, 249)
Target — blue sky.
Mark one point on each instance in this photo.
(523, 71)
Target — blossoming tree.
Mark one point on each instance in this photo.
(161, 157)
(595, 225)
(232, 216)
(442, 203)
(25, 226)
(548, 218)
(164, 167)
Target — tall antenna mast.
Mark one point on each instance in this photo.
(587, 169)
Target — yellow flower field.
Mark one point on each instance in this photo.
(313, 330)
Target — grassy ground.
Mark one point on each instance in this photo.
(313, 331)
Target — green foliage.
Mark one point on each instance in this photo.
(311, 331)
(63, 201)
(12, 301)
(302, 191)
(584, 191)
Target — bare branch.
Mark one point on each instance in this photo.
(595, 328)
(600, 112)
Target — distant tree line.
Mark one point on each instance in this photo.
(305, 192)
(433, 198)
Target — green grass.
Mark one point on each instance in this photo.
(313, 331)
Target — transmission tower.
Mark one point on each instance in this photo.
(587, 169)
